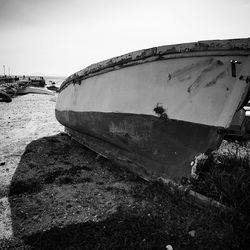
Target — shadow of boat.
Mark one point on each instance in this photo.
(64, 196)
(61, 188)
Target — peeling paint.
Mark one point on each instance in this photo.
(126, 130)
(202, 48)
(159, 110)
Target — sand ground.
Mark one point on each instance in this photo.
(25, 119)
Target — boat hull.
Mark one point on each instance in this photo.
(148, 145)
(156, 110)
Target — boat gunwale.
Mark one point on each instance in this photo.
(231, 47)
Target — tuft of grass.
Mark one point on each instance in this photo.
(227, 180)
(225, 177)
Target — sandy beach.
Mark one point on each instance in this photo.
(57, 194)
(155, 96)
(25, 119)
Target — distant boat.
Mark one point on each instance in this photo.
(4, 97)
(156, 110)
(33, 90)
(53, 86)
(8, 79)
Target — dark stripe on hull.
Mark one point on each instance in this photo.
(150, 146)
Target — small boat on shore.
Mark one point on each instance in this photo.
(52, 86)
(155, 111)
(4, 97)
(33, 90)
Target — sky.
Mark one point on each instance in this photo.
(60, 37)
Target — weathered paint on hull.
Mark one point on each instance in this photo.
(118, 107)
(151, 146)
(199, 90)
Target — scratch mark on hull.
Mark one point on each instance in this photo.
(193, 88)
(183, 73)
(221, 75)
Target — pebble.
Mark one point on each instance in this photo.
(192, 233)
(169, 247)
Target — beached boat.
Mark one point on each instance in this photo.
(53, 88)
(157, 110)
(4, 97)
(33, 90)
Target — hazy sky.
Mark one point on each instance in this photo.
(60, 37)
